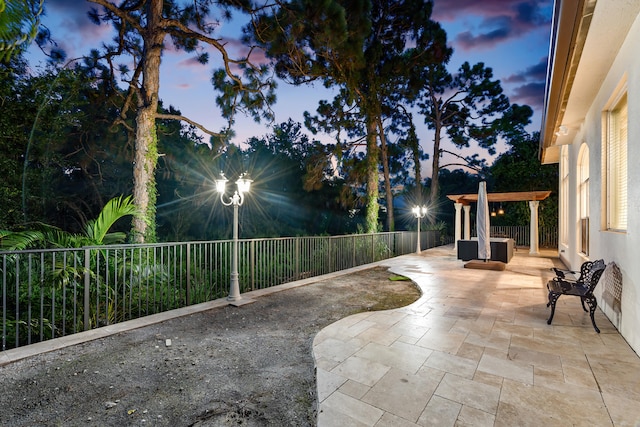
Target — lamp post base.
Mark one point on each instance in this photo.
(240, 302)
(235, 298)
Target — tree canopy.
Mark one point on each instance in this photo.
(73, 132)
(365, 48)
(469, 106)
(142, 28)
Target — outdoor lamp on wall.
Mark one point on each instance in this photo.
(500, 210)
(562, 131)
(493, 210)
(243, 185)
(419, 212)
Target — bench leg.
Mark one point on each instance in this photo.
(593, 304)
(553, 297)
(583, 307)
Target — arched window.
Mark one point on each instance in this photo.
(583, 198)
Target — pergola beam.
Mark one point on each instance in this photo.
(519, 196)
(533, 197)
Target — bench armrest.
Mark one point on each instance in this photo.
(561, 273)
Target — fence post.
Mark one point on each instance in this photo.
(296, 249)
(188, 281)
(252, 264)
(373, 248)
(87, 283)
(355, 242)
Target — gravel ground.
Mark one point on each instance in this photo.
(248, 366)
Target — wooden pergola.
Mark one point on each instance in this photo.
(519, 196)
(463, 201)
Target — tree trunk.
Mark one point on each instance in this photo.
(146, 147)
(387, 177)
(435, 172)
(372, 177)
(415, 148)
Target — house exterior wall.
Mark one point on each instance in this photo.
(623, 248)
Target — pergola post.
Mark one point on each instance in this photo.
(533, 230)
(534, 197)
(467, 222)
(458, 232)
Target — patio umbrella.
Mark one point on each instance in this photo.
(482, 223)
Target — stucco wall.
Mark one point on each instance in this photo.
(623, 248)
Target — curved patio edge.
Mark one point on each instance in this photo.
(475, 349)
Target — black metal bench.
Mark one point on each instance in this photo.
(583, 287)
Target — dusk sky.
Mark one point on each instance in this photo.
(510, 36)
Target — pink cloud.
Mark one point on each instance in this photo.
(500, 20)
(452, 10)
(191, 62)
(76, 21)
(71, 29)
(531, 94)
(535, 72)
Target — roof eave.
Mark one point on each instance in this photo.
(570, 26)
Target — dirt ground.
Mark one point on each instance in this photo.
(250, 365)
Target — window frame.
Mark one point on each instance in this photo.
(583, 198)
(615, 161)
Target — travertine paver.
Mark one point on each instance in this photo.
(475, 349)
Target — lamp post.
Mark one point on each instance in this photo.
(243, 184)
(419, 213)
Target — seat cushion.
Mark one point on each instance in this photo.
(566, 288)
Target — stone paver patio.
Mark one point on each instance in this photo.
(475, 349)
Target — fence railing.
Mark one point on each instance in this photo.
(56, 292)
(547, 236)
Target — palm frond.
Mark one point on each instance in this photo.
(19, 240)
(114, 238)
(19, 22)
(115, 209)
(62, 239)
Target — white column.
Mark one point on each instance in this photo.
(234, 290)
(533, 228)
(458, 233)
(467, 222)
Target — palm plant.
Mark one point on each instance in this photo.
(96, 232)
(52, 280)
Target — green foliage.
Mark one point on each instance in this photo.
(469, 106)
(519, 169)
(50, 287)
(96, 231)
(19, 23)
(63, 158)
(251, 95)
(290, 194)
(440, 226)
(143, 27)
(365, 49)
(61, 161)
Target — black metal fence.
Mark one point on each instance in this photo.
(56, 292)
(547, 236)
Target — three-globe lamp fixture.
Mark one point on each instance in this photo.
(243, 184)
(419, 212)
